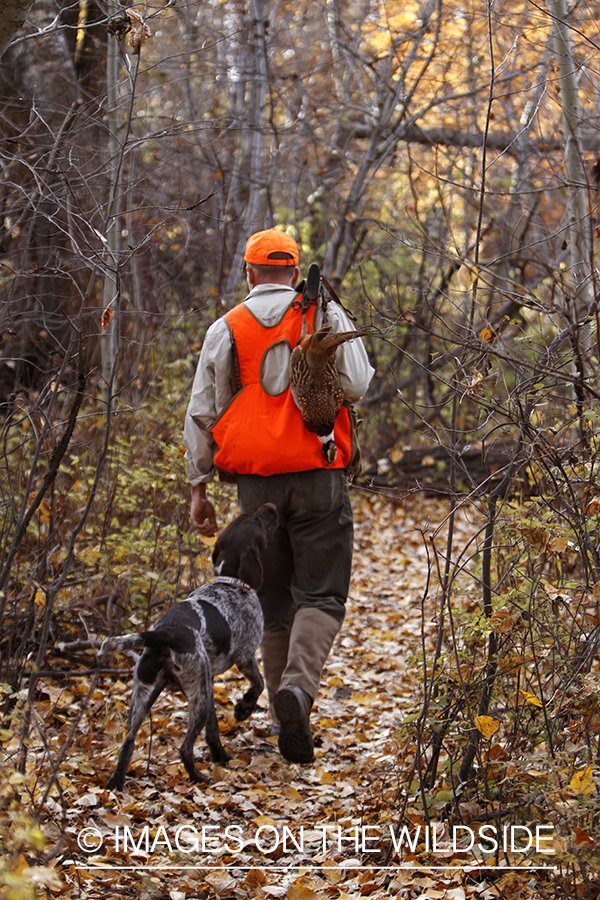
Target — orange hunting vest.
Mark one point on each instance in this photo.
(260, 434)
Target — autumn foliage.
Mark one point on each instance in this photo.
(440, 163)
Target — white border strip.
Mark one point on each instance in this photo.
(351, 868)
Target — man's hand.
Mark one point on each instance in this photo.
(202, 513)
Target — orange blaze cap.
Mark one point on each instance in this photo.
(271, 248)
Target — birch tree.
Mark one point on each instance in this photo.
(582, 278)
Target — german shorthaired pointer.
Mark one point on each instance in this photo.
(219, 624)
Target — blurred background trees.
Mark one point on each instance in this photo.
(416, 152)
(439, 162)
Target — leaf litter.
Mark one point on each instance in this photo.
(264, 828)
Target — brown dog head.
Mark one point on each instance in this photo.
(237, 553)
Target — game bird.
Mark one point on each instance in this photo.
(314, 375)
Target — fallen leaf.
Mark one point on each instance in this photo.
(487, 726)
(301, 892)
(582, 837)
(106, 318)
(582, 782)
(221, 882)
(531, 698)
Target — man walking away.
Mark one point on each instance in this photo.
(242, 420)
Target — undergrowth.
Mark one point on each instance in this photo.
(508, 730)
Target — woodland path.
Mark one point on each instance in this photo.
(271, 829)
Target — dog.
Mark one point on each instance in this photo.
(219, 624)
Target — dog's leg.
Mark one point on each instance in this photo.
(247, 704)
(142, 699)
(186, 751)
(197, 684)
(213, 738)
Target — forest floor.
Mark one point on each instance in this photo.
(263, 828)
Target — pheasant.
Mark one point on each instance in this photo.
(315, 380)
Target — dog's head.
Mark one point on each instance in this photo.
(238, 550)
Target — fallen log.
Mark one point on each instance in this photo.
(428, 469)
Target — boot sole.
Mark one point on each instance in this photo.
(295, 738)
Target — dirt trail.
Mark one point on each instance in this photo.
(264, 828)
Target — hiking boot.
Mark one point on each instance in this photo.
(313, 633)
(292, 707)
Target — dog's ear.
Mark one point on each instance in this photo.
(269, 519)
(250, 568)
(226, 561)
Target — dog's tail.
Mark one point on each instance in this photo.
(180, 640)
(121, 643)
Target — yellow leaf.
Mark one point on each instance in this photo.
(292, 794)
(582, 782)
(558, 544)
(40, 598)
(487, 726)
(300, 892)
(326, 777)
(371, 698)
(531, 698)
(209, 541)
(21, 864)
(261, 821)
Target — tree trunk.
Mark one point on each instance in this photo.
(579, 226)
(12, 18)
(250, 154)
(110, 335)
(47, 75)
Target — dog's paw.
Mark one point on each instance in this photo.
(220, 755)
(187, 759)
(243, 709)
(115, 784)
(198, 778)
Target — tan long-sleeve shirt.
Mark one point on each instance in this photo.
(213, 386)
